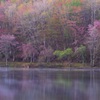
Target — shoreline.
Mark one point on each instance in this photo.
(49, 65)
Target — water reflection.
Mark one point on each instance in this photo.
(52, 84)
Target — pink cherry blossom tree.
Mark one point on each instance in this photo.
(28, 52)
(93, 41)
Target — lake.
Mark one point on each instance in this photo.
(49, 84)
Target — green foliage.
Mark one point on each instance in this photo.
(75, 3)
(57, 53)
(62, 54)
(65, 53)
(68, 51)
(82, 49)
(81, 53)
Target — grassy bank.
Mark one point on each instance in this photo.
(43, 65)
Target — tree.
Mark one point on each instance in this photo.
(81, 51)
(67, 53)
(6, 43)
(93, 41)
(46, 54)
(28, 52)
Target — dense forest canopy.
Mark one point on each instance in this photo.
(50, 30)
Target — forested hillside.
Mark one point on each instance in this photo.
(50, 31)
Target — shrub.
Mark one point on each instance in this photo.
(80, 53)
(63, 54)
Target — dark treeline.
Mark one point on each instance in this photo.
(50, 31)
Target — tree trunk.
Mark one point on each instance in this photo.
(83, 59)
(6, 61)
(13, 58)
(94, 56)
(93, 10)
(91, 58)
(44, 41)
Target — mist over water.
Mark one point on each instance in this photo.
(49, 84)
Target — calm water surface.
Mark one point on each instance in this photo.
(49, 84)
